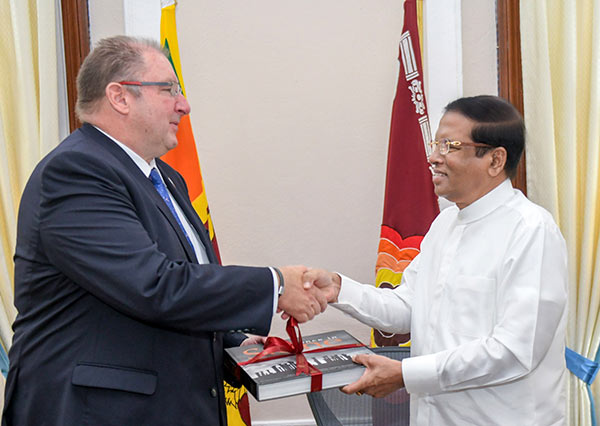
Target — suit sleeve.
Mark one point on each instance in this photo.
(93, 234)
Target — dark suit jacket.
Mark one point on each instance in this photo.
(117, 324)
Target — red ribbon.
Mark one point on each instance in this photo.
(276, 344)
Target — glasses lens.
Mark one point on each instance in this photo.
(444, 146)
(175, 89)
(440, 146)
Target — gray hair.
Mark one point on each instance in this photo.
(113, 59)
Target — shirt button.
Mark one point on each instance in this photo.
(213, 392)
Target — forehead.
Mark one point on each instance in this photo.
(158, 67)
(454, 125)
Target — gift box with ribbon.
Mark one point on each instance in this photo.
(289, 367)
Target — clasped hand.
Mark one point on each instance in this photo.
(306, 292)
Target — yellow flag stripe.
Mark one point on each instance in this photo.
(168, 31)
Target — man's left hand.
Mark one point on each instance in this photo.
(253, 340)
(382, 376)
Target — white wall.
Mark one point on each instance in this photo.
(291, 105)
(291, 108)
(479, 53)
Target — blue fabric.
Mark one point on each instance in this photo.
(3, 361)
(162, 190)
(586, 370)
(591, 396)
(592, 405)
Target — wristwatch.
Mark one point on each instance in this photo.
(281, 282)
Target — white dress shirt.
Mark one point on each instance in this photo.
(485, 302)
(146, 168)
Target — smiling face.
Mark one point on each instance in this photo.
(460, 176)
(156, 113)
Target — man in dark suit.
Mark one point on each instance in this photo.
(123, 309)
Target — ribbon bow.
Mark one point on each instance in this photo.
(275, 344)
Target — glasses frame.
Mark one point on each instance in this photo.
(446, 144)
(174, 86)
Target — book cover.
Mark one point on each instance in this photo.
(275, 376)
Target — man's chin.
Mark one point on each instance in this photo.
(172, 144)
(438, 190)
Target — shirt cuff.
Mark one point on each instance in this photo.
(420, 374)
(275, 289)
(350, 292)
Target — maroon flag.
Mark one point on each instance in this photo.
(410, 204)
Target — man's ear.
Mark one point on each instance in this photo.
(118, 98)
(498, 161)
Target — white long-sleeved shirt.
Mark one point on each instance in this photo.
(485, 302)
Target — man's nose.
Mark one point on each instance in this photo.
(435, 157)
(182, 105)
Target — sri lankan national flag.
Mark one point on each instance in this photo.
(410, 204)
(184, 158)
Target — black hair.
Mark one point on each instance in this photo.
(498, 123)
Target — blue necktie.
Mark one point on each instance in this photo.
(162, 190)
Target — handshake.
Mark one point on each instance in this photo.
(307, 292)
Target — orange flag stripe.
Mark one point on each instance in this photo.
(185, 159)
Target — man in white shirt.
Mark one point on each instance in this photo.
(485, 300)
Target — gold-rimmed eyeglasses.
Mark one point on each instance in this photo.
(445, 145)
(174, 87)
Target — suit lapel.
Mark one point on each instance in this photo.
(190, 213)
(160, 203)
(145, 182)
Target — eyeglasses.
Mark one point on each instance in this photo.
(173, 86)
(445, 145)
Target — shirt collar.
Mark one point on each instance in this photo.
(139, 161)
(488, 203)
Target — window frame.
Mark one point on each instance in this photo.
(76, 37)
(510, 71)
